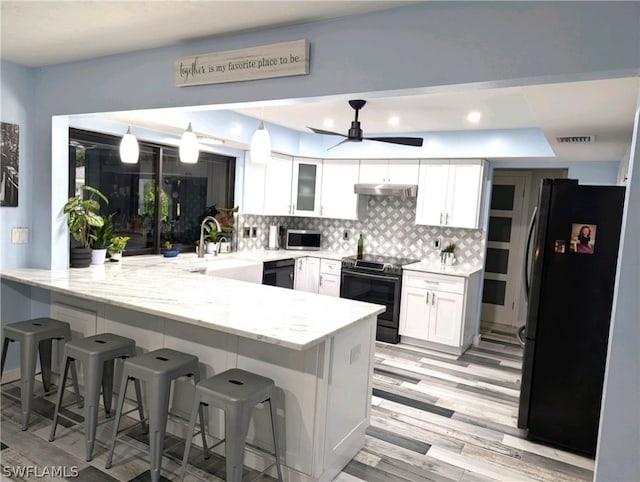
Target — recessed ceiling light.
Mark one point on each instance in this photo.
(474, 117)
(394, 120)
(327, 122)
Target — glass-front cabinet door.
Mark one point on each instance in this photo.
(306, 187)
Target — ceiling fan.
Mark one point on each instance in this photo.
(355, 132)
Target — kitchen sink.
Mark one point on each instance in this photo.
(237, 269)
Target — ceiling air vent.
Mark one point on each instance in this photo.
(575, 139)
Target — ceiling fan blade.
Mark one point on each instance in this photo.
(405, 141)
(339, 143)
(329, 133)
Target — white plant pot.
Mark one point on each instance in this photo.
(116, 256)
(211, 247)
(98, 256)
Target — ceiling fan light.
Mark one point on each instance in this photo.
(189, 148)
(129, 150)
(260, 147)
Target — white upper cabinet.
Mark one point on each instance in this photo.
(277, 186)
(395, 171)
(338, 199)
(305, 192)
(450, 193)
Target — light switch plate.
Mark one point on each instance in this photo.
(19, 235)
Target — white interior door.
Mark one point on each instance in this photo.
(505, 250)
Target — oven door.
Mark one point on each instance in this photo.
(376, 288)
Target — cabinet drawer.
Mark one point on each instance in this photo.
(450, 284)
(330, 266)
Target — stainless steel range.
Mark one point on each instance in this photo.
(376, 279)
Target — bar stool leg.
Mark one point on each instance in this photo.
(5, 347)
(158, 413)
(76, 387)
(107, 386)
(92, 370)
(44, 349)
(197, 407)
(136, 384)
(196, 379)
(276, 448)
(123, 393)
(236, 419)
(61, 386)
(28, 356)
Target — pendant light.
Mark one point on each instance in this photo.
(129, 150)
(260, 145)
(189, 147)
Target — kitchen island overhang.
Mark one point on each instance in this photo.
(318, 349)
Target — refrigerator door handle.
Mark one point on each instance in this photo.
(526, 268)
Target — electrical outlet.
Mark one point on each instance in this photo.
(345, 235)
(246, 232)
(254, 231)
(436, 244)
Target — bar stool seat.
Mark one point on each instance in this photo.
(158, 369)
(35, 336)
(97, 354)
(236, 392)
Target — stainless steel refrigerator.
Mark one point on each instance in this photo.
(573, 266)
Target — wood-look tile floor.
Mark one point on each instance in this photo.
(435, 417)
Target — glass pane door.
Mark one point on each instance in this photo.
(504, 250)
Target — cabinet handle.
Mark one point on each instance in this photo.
(440, 218)
(320, 280)
(446, 219)
(433, 298)
(321, 210)
(427, 297)
(289, 208)
(293, 209)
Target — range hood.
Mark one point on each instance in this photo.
(386, 189)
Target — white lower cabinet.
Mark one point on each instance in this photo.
(329, 277)
(307, 276)
(438, 311)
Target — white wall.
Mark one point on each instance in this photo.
(618, 453)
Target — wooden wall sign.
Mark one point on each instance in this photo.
(274, 60)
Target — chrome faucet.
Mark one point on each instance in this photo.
(200, 248)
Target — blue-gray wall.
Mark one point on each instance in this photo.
(425, 47)
(17, 108)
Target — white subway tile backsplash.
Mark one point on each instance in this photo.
(388, 229)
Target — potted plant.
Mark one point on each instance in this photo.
(116, 247)
(447, 254)
(99, 239)
(211, 235)
(226, 219)
(169, 250)
(82, 215)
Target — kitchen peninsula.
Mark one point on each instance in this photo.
(318, 349)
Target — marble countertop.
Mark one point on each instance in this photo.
(434, 266)
(174, 288)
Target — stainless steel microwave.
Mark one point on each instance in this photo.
(302, 239)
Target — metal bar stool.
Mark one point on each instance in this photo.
(158, 369)
(35, 336)
(97, 354)
(236, 392)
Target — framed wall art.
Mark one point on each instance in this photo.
(9, 163)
